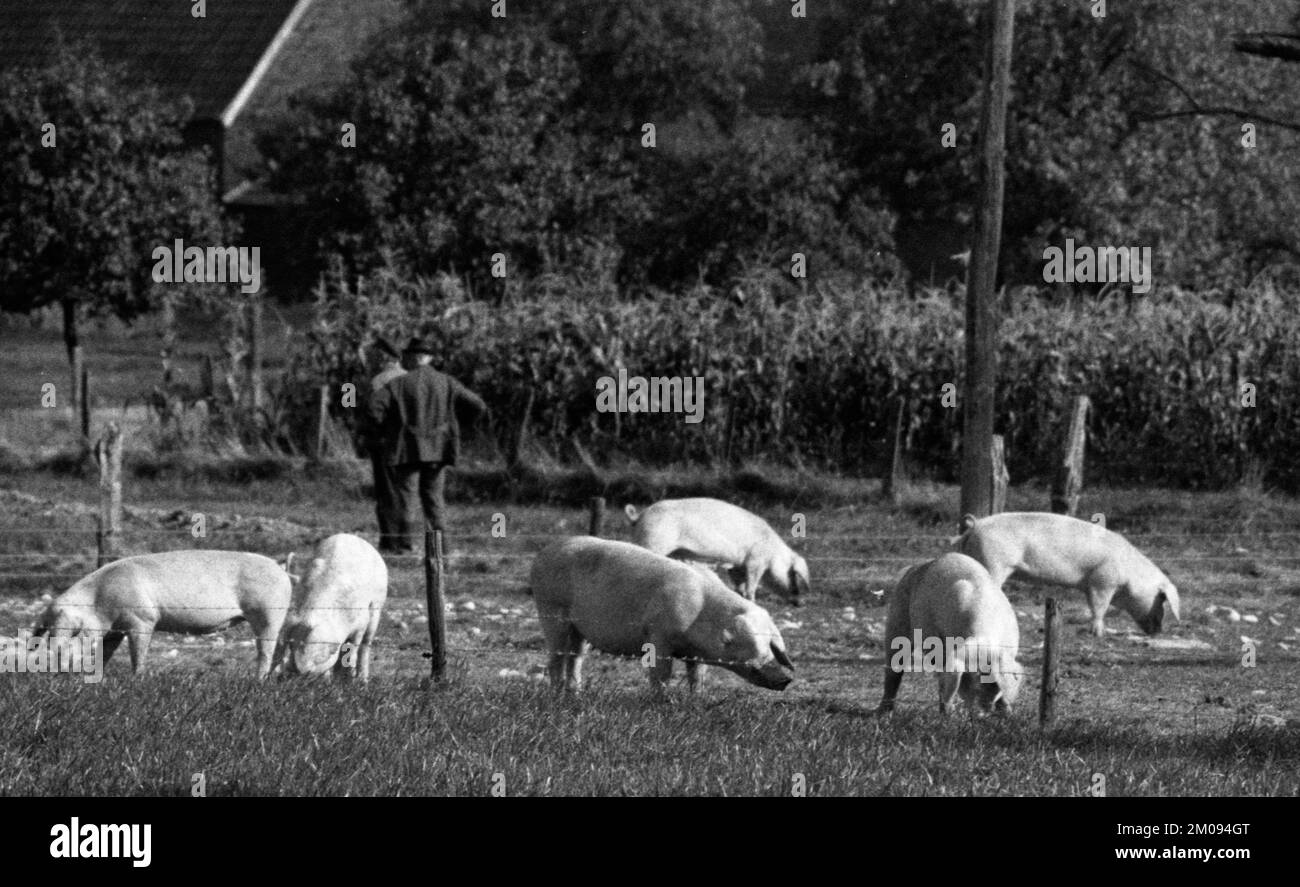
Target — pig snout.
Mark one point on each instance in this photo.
(309, 655)
(776, 673)
(1156, 618)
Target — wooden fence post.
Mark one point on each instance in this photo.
(893, 482)
(435, 581)
(596, 524)
(84, 407)
(108, 452)
(1001, 477)
(254, 381)
(1051, 661)
(1069, 474)
(322, 420)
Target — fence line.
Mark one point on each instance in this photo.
(863, 537)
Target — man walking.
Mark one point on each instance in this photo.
(385, 484)
(416, 415)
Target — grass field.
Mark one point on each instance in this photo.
(1174, 715)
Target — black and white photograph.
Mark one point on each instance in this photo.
(688, 398)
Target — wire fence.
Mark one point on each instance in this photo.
(1233, 699)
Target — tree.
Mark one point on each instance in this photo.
(526, 136)
(93, 176)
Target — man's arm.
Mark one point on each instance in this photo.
(474, 404)
(378, 410)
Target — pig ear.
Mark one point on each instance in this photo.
(1170, 595)
(781, 656)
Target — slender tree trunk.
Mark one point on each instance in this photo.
(72, 341)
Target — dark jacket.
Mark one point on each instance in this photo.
(416, 416)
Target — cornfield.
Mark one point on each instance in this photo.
(810, 379)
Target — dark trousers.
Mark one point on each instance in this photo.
(426, 481)
(386, 509)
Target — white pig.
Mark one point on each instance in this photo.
(193, 591)
(336, 609)
(620, 597)
(713, 530)
(1061, 550)
(948, 616)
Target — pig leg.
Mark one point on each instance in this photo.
(896, 628)
(949, 684)
(366, 640)
(976, 693)
(695, 671)
(737, 576)
(753, 575)
(574, 679)
(557, 629)
(1099, 595)
(893, 680)
(138, 640)
(662, 670)
(266, 629)
(111, 641)
(345, 666)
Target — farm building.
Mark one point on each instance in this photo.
(238, 63)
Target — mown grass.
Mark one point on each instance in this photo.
(403, 738)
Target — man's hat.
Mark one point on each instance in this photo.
(420, 346)
(386, 347)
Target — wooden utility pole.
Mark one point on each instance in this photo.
(596, 518)
(981, 306)
(1069, 474)
(1000, 478)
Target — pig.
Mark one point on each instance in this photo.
(949, 614)
(335, 611)
(191, 591)
(620, 597)
(713, 530)
(1061, 550)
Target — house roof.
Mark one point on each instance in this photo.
(239, 64)
(212, 60)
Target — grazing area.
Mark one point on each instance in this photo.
(1174, 714)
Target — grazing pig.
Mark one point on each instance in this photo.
(619, 597)
(1063, 550)
(709, 529)
(336, 609)
(192, 591)
(949, 616)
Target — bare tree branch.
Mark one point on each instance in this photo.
(1196, 109)
(1269, 45)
